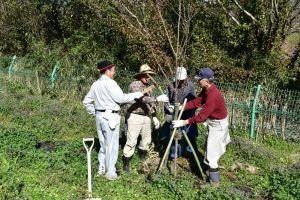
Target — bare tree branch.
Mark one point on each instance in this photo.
(133, 15)
(245, 11)
(166, 31)
(232, 17)
(178, 33)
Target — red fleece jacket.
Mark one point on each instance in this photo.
(212, 103)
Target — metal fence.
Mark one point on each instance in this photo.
(263, 110)
(256, 109)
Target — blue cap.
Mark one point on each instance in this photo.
(205, 73)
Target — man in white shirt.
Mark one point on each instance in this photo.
(103, 101)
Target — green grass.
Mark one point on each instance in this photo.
(28, 172)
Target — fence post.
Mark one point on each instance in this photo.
(54, 74)
(10, 68)
(253, 111)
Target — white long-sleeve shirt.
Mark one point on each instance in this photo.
(106, 94)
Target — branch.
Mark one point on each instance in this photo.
(232, 17)
(161, 69)
(133, 15)
(245, 11)
(276, 8)
(146, 37)
(191, 12)
(178, 31)
(166, 31)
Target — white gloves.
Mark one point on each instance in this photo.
(163, 98)
(178, 123)
(113, 120)
(156, 122)
(138, 95)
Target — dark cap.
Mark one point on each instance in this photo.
(205, 73)
(104, 65)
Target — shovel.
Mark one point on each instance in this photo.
(88, 144)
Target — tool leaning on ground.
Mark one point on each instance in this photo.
(88, 149)
(171, 140)
(188, 141)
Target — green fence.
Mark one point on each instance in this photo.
(276, 111)
(257, 109)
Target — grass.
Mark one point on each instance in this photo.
(29, 169)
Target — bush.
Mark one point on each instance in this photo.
(285, 184)
(17, 141)
(220, 193)
(253, 153)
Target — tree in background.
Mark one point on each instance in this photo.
(256, 41)
(161, 28)
(244, 40)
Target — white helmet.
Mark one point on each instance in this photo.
(181, 73)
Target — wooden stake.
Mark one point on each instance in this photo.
(171, 139)
(176, 155)
(176, 110)
(194, 153)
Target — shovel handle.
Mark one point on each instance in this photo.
(88, 148)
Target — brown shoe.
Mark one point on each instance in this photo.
(112, 178)
(215, 184)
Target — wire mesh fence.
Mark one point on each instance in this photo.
(276, 111)
(238, 100)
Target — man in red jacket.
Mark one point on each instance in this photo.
(214, 113)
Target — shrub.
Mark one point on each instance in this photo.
(285, 184)
(17, 141)
(253, 153)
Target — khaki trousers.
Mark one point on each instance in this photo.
(137, 125)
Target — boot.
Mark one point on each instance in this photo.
(205, 168)
(214, 177)
(191, 159)
(126, 164)
(142, 154)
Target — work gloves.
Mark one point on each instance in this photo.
(156, 122)
(162, 98)
(178, 123)
(113, 120)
